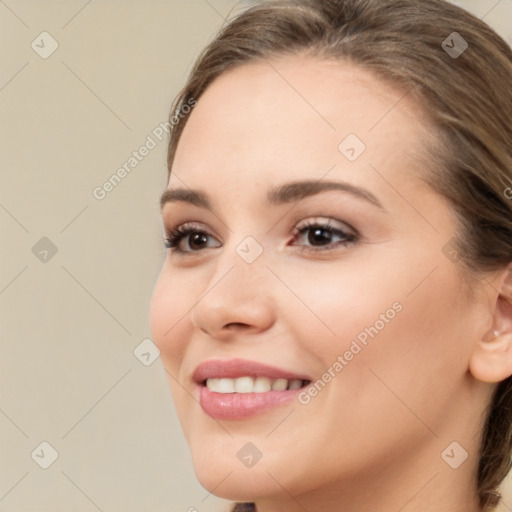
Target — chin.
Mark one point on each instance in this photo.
(225, 476)
(242, 487)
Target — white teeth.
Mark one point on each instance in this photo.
(244, 385)
(262, 384)
(221, 385)
(279, 385)
(295, 384)
(251, 385)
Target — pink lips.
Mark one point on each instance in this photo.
(227, 406)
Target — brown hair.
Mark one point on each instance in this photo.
(469, 100)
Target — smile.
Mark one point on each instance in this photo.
(238, 388)
(252, 385)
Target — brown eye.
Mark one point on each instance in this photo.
(194, 237)
(316, 235)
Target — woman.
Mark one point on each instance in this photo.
(335, 309)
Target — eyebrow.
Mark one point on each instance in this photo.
(285, 193)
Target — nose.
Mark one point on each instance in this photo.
(237, 300)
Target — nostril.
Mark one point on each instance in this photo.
(236, 324)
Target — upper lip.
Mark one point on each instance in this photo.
(233, 368)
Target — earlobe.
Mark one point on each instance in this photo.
(491, 360)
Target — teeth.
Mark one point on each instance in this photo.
(251, 385)
(244, 384)
(221, 385)
(295, 384)
(279, 385)
(262, 384)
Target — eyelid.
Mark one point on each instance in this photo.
(175, 236)
(189, 224)
(325, 221)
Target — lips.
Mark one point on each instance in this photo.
(233, 405)
(234, 368)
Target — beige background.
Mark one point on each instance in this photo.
(70, 321)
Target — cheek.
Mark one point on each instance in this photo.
(337, 303)
(168, 318)
(418, 359)
(170, 329)
(409, 331)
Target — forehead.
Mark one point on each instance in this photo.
(294, 117)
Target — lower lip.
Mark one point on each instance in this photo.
(234, 406)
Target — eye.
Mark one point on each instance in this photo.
(189, 238)
(323, 235)
(194, 237)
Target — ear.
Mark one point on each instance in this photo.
(491, 360)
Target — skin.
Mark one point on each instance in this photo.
(372, 439)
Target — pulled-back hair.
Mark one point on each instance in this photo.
(469, 101)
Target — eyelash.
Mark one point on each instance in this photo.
(173, 238)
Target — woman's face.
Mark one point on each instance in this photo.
(352, 288)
